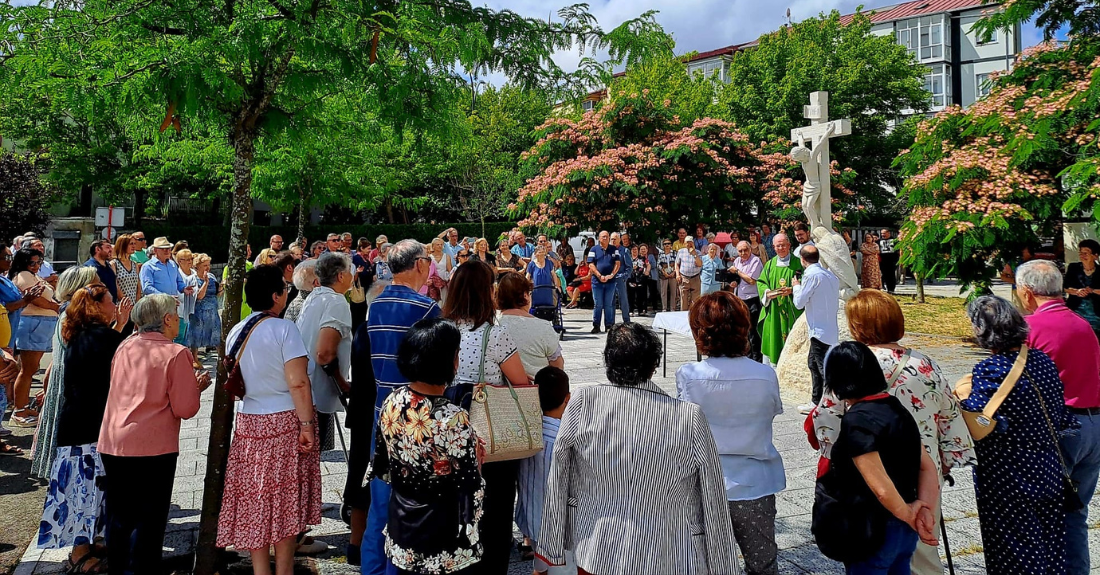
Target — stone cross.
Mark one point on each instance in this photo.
(816, 191)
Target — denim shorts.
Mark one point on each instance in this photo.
(35, 332)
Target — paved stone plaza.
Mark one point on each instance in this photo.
(582, 351)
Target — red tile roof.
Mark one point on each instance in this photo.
(916, 8)
(728, 50)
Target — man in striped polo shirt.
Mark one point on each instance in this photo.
(390, 315)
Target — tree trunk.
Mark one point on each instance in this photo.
(221, 418)
(483, 224)
(389, 211)
(920, 287)
(139, 207)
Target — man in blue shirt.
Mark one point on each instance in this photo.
(819, 294)
(622, 243)
(766, 238)
(160, 274)
(604, 262)
(451, 245)
(101, 254)
(524, 250)
(390, 315)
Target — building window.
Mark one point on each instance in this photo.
(710, 68)
(938, 83)
(923, 37)
(984, 85)
(588, 105)
(992, 39)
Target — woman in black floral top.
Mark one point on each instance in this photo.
(427, 451)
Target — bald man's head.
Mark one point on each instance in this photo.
(809, 255)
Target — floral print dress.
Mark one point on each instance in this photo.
(425, 449)
(922, 390)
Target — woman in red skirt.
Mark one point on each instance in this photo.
(273, 482)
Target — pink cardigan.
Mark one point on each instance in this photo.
(153, 388)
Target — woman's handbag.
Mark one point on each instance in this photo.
(234, 381)
(981, 424)
(506, 417)
(358, 293)
(1069, 487)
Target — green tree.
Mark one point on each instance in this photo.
(24, 198)
(983, 182)
(259, 68)
(665, 77)
(870, 79)
(1078, 17)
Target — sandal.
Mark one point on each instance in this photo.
(24, 421)
(81, 567)
(7, 449)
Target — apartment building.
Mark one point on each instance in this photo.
(939, 33)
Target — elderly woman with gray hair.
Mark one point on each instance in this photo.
(153, 388)
(1021, 493)
(305, 279)
(325, 325)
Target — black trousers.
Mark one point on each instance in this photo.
(499, 512)
(360, 448)
(816, 362)
(358, 315)
(755, 307)
(139, 496)
(888, 265)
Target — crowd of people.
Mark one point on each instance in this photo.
(407, 339)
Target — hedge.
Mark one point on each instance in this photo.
(214, 240)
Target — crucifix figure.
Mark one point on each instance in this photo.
(816, 190)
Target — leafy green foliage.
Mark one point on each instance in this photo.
(984, 182)
(870, 79)
(24, 198)
(1080, 17)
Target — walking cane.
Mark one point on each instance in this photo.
(345, 509)
(950, 481)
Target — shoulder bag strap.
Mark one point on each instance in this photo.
(899, 369)
(1007, 385)
(238, 346)
(1050, 425)
(484, 347)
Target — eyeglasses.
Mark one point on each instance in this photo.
(34, 263)
(138, 239)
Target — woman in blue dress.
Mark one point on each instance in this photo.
(541, 273)
(712, 262)
(1018, 481)
(206, 324)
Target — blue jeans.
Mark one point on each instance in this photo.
(1082, 454)
(603, 298)
(373, 549)
(893, 557)
(624, 298)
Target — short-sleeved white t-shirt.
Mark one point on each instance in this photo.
(536, 340)
(326, 308)
(274, 342)
(500, 348)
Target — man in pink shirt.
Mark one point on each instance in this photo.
(1070, 342)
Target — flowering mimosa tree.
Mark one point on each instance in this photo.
(984, 182)
(635, 164)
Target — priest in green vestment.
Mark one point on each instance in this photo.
(775, 285)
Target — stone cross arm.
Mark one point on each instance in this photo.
(812, 133)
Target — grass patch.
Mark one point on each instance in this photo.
(943, 316)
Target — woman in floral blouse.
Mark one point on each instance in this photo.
(427, 451)
(875, 319)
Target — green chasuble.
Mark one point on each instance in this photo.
(778, 315)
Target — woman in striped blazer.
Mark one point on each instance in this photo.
(635, 484)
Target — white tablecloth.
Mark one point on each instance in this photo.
(674, 321)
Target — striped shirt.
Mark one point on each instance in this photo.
(533, 473)
(636, 486)
(390, 315)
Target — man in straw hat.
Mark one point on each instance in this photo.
(161, 274)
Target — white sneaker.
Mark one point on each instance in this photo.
(806, 408)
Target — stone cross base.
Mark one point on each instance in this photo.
(794, 373)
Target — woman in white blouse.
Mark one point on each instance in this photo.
(470, 306)
(740, 398)
(538, 343)
(443, 267)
